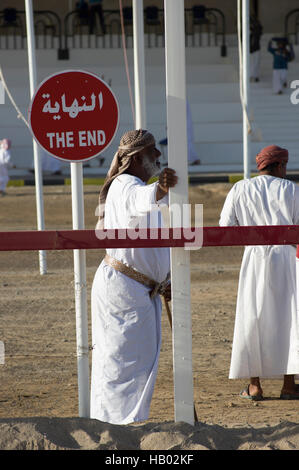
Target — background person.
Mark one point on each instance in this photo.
(96, 8)
(192, 153)
(256, 31)
(50, 163)
(5, 164)
(282, 55)
(265, 343)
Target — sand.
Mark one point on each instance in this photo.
(38, 381)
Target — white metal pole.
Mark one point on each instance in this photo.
(245, 64)
(36, 153)
(139, 67)
(177, 158)
(80, 293)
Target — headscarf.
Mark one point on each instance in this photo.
(131, 143)
(271, 154)
(5, 144)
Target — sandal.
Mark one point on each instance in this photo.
(245, 394)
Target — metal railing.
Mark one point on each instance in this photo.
(77, 35)
(47, 26)
(291, 26)
(204, 27)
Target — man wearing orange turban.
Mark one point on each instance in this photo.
(271, 155)
(265, 343)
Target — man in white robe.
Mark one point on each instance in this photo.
(126, 320)
(266, 341)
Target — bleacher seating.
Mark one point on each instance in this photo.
(212, 90)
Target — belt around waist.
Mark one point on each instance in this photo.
(156, 287)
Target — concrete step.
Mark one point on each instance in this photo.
(156, 113)
(202, 169)
(203, 93)
(217, 153)
(195, 74)
(232, 152)
(109, 57)
(217, 132)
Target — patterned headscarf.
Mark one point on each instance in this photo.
(271, 154)
(131, 143)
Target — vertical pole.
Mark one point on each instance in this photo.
(80, 292)
(36, 153)
(139, 67)
(245, 65)
(180, 258)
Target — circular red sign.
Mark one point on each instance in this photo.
(74, 115)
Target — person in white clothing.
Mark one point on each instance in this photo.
(192, 152)
(50, 163)
(126, 312)
(193, 158)
(265, 343)
(5, 164)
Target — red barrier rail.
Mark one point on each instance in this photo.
(210, 236)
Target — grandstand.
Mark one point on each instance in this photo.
(212, 74)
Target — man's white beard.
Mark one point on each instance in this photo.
(151, 167)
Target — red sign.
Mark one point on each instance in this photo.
(74, 115)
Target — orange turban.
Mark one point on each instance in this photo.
(269, 155)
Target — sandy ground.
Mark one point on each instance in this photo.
(38, 381)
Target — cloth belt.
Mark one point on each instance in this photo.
(156, 287)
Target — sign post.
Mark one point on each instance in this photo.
(245, 85)
(139, 65)
(36, 155)
(180, 258)
(74, 116)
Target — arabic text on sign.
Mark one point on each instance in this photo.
(74, 109)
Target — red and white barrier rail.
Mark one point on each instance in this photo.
(146, 238)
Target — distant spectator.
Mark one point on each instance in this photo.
(5, 164)
(96, 8)
(50, 163)
(192, 154)
(256, 31)
(83, 12)
(282, 55)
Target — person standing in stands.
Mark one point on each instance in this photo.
(96, 8)
(256, 31)
(282, 55)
